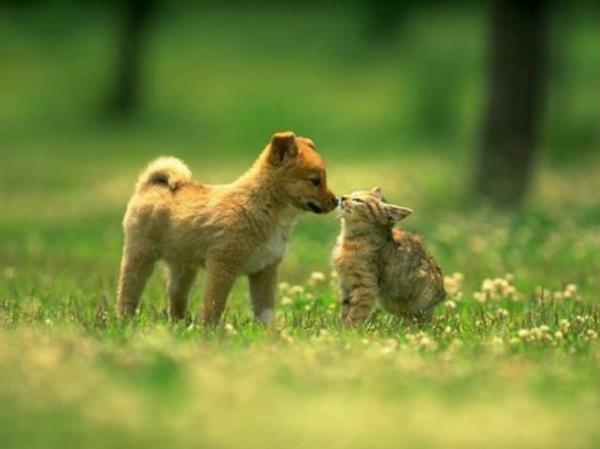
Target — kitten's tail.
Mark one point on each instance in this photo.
(164, 171)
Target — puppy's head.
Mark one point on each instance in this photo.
(299, 173)
(368, 208)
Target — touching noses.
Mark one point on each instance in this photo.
(333, 201)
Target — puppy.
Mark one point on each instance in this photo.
(233, 229)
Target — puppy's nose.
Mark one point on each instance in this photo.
(336, 201)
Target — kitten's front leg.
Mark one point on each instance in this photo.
(359, 305)
(345, 303)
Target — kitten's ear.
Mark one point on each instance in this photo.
(376, 191)
(283, 147)
(397, 213)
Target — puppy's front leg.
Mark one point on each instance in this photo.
(262, 292)
(220, 278)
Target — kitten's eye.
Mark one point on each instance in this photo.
(357, 200)
(315, 182)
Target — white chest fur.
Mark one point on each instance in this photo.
(273, 250)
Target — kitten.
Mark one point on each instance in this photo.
(375, 260)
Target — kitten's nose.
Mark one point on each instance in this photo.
(336, 202)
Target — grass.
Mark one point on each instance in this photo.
(507, 360)
(494, 367)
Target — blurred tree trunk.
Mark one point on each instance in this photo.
(383, 17)
(516, 93)
(134, 19)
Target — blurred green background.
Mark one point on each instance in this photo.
(393, 94)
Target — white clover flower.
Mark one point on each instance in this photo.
(317, 277)
(480, 297)
(558, 335)
(455, 344)
(296, 290)
(453, 285)
(509, 291)
(542, 294)
(487, 285)
(541, 333)
(497, 341)
(501, 284)
(572, 288)
(502, 313)
(392, 343)
(426, 343)
(286, 301)
(591, 334)
(450, 305)
(229, 328)
(524, 333)
(284, 285)
(389, 346)
(571, 291)
(564, 325)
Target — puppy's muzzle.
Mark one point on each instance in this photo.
(314, 208)
(322, 207)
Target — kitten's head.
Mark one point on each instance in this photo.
(369, 208)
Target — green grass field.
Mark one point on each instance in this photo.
(511, 359)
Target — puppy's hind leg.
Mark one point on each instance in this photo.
(180, 281)
(136, 268)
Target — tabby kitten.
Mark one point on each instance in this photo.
(375, 260)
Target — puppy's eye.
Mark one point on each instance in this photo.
(315, 182)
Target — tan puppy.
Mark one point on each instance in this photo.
(232, 229)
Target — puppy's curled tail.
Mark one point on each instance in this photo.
(164, 171)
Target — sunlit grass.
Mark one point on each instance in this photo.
(512, 358)
(463, 380)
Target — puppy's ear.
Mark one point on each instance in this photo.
(396, 213)
(283, 148)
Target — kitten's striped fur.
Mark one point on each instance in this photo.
(375, 260)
